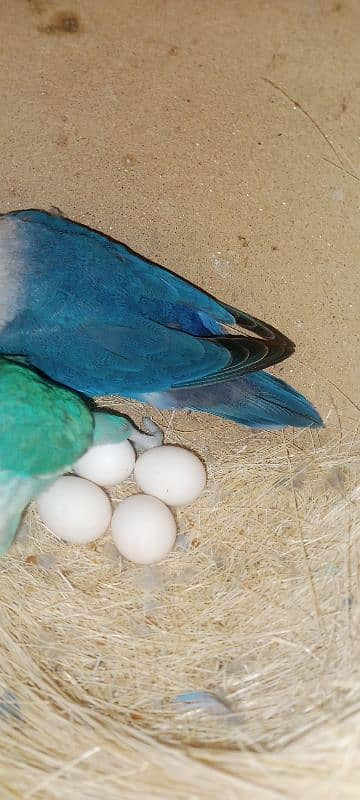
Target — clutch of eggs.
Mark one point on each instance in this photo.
(77, 510)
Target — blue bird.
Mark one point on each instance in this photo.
(96, 317)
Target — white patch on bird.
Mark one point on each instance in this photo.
(158, 399)
(11, 269)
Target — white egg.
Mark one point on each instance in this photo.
(143, 529)
(170, 473)
(75, 510)
(107, 464)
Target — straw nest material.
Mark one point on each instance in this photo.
(257, 610)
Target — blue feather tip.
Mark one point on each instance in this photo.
(258, 400)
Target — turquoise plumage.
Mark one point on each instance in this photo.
(44, 429)
(95, 316)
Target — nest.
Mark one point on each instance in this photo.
(230, 669)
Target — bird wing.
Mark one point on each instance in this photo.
(102, 319)
(43, 428)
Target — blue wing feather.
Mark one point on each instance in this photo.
(123, 360)
(258, 400)
(97, 317)
(125, 319)
(80, 259)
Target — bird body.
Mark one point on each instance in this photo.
(100, 319)
(44, 430)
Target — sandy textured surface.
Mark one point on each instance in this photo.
(156, 122)
(221, 139)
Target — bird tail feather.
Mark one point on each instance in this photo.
(257, 400)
